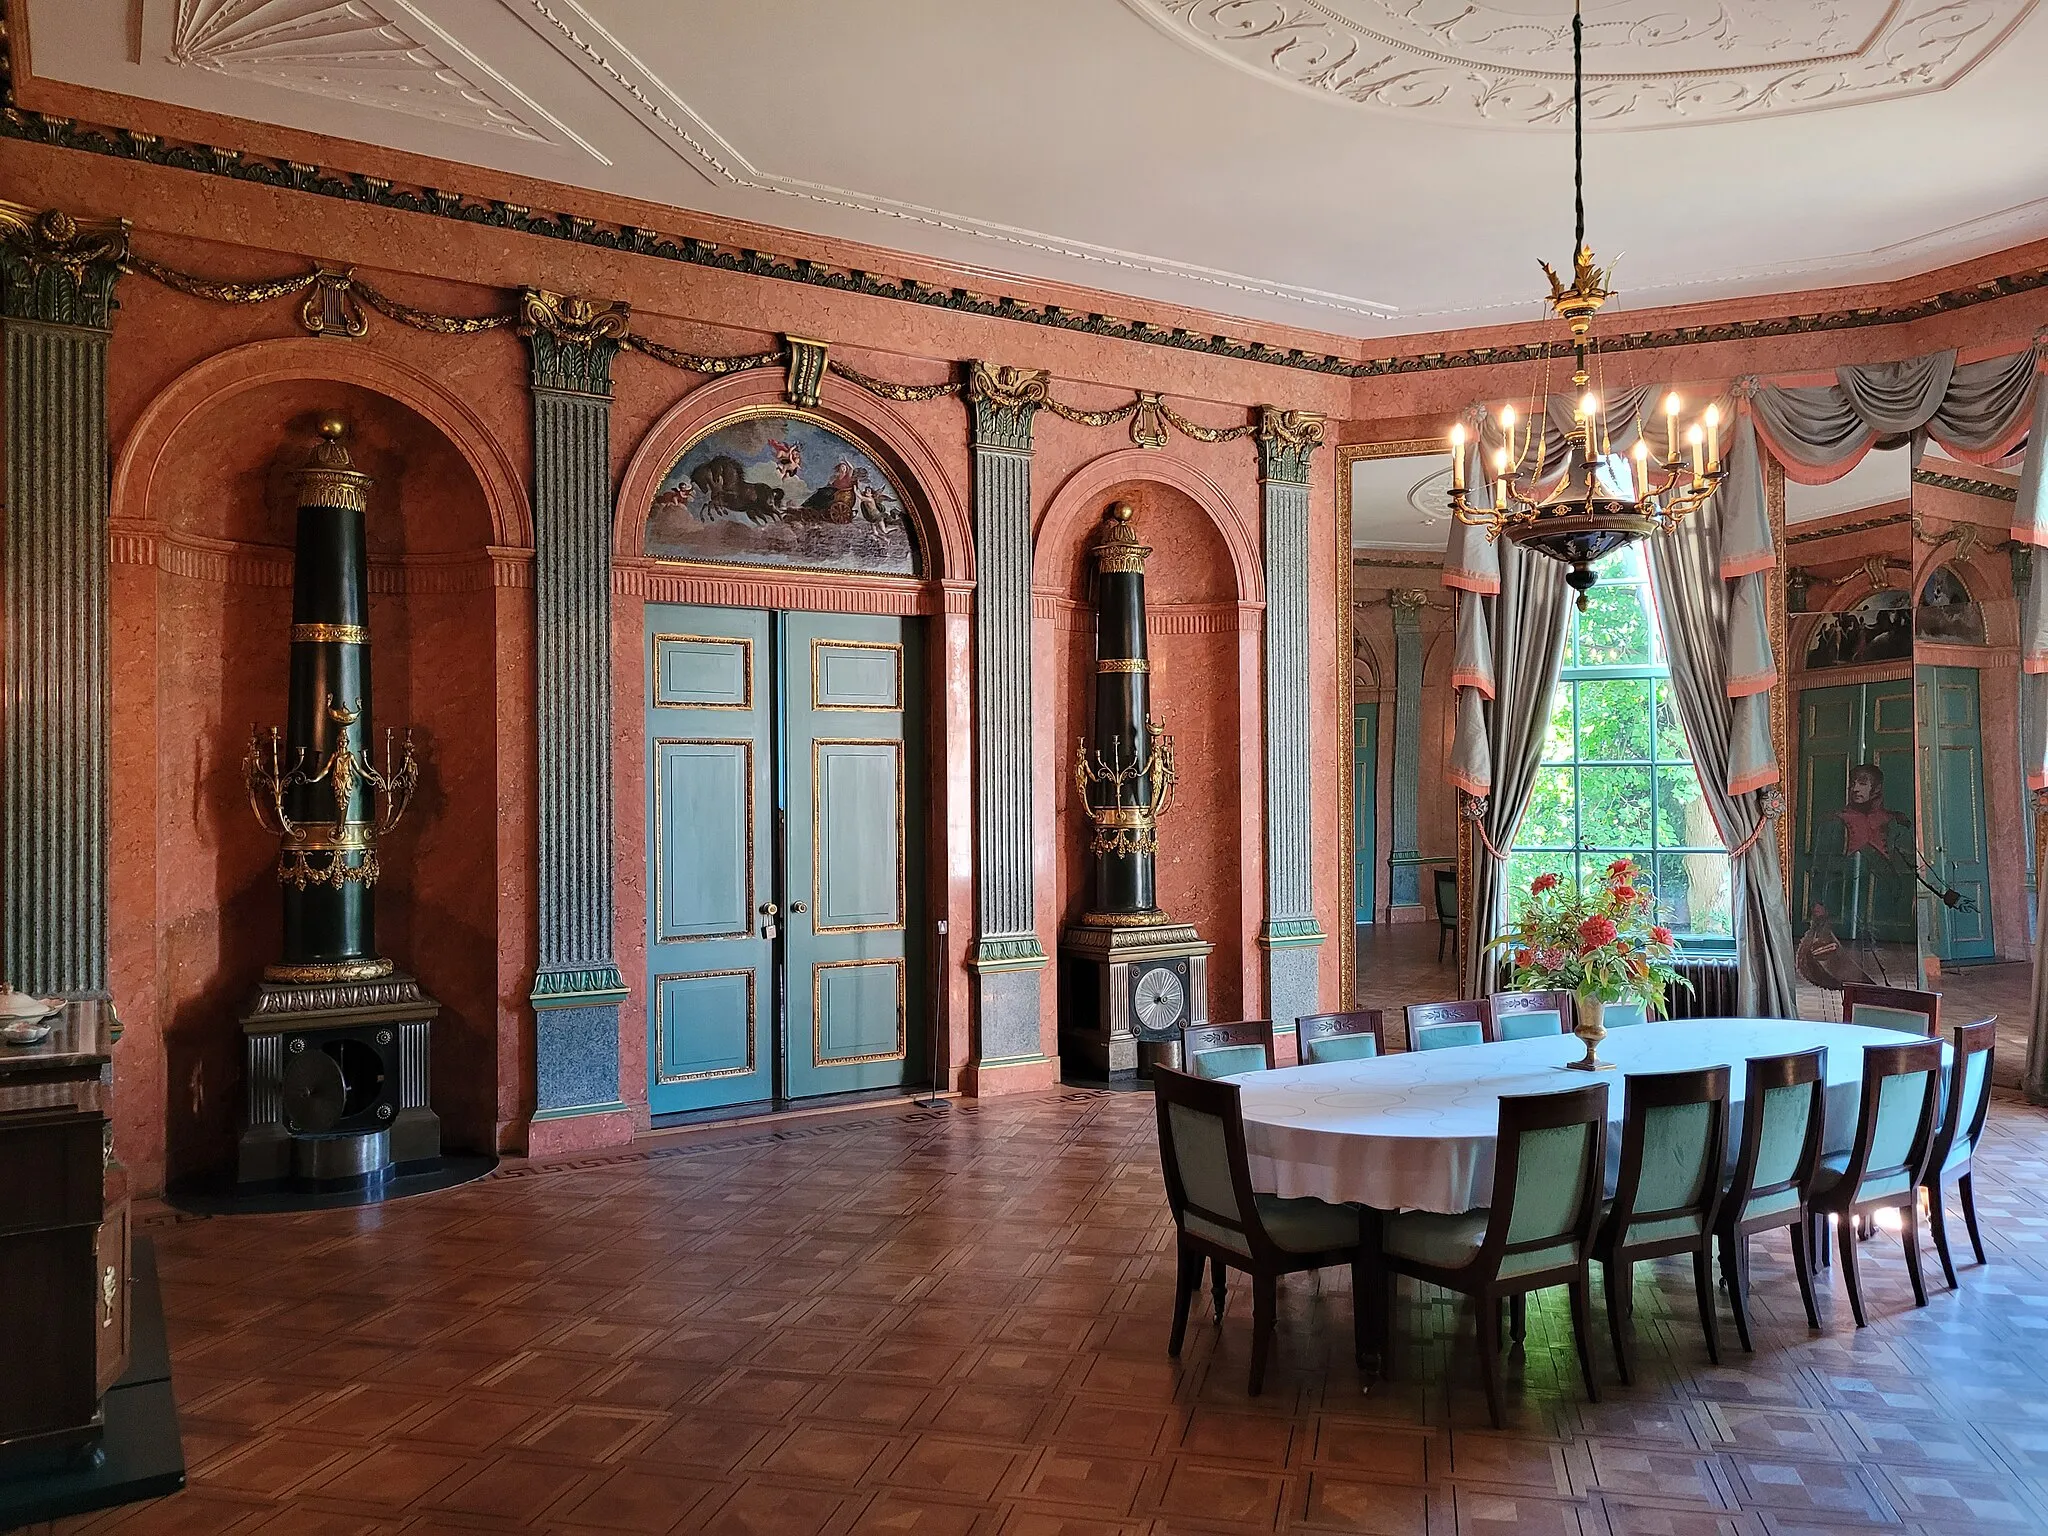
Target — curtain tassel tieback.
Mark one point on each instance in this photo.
(1473, 808)
(1771, 804)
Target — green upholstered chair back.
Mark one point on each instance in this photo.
(1895, 1126)
(1224, 1050)
(1228, 1060)
(1674, 1142)
(1525, 1015)
(1969, 1096)
(1446, 898)
(1550, 1165)
(1623, 1015)
(1433, 1026)
(1201, 1150)
(1327, 1037)
(1901, 1008)
(1783, 1119)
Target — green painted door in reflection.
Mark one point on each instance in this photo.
(1854, 847)
(1952, 803)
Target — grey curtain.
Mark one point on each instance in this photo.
(1697, 610)
(1500, 738)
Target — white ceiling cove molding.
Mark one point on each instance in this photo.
(386, 56)
(1649, 63)
(586, 43)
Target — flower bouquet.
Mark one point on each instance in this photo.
(1601, 945)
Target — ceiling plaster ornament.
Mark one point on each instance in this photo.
(353, 51)
(1651, 63)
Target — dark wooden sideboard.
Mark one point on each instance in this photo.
(64, 1249)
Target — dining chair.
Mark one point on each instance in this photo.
(1549, 1167)
(1224, 1050)
(1784, 1112)
(1622, 1015)
(1525, 1015)
(1883, 1166)
(1969, 1102)
(1325, 1037)
(1446, 882)
(1667, 1195)
(1434, 1026)
(1219, 1220)
(1905, 1008)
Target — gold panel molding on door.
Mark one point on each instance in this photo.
(818, 810)
(819, 973)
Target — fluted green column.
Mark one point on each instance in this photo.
(57, 298)
(1289, 934)
(577, 988)
(1008, 958)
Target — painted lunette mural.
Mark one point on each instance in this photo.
(782, 488)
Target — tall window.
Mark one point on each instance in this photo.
(1617, 777)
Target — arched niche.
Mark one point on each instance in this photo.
(205, 515)
(1197, 633)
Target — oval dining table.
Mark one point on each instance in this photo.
(1415, 1131)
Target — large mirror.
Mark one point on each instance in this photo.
(1975, 892)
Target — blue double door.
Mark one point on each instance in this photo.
(785, 809)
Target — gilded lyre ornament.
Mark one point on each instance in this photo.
(314, 785)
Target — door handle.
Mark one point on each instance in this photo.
(797, 906)
(768, 909)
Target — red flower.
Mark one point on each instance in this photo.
(1621, 869)
(1627, 895)
(1661, 935)
(1541, 884)
(1595, 931)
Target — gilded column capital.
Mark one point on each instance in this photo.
(572, 340)
(1004, 400)
(59, 269)
(1287, 440)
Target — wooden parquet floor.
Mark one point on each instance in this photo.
(954, 1321)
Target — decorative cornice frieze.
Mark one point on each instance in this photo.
(59, 269)
(662, 581)
(351, 187)
(1808, 536)
(1965, 484)
(227, 562)
(1160, 618)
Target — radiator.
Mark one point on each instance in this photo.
(1712, 994)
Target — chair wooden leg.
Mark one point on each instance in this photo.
(1937, 1225)
(1911, 1233)
(1703, 1282)
(1265, 1304)
(1364, 1287)
(1442, 933)
(1738, 1293)
(1216, 1289)
(1489, 1360)
(1850, 1279)
(1186, 1283)
(1619, 1276)
(1968, 1192)
(1389, 1298)
(1518, 1316)
(1582, 1331)
(1802, 1265)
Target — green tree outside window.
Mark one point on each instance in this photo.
(1617, 777)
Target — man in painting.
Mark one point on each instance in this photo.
(1864, 860)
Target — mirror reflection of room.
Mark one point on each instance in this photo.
(1404, 827)
(1974, 894)
(1851, 800)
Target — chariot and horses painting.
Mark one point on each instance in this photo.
(782, 488)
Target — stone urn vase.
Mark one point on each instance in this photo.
(1592, 1029)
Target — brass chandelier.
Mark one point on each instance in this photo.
(1601, 500)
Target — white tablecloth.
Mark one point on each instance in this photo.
(1415, 1131)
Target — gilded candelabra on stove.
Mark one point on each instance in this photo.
(1125, 801)
(343, 771)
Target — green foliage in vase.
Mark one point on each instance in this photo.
(1603, 942)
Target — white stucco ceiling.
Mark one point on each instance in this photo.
(1401, 503)
(1369, 167)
